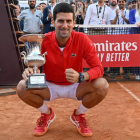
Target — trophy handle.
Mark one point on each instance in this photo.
(23, 53)
(45, 53)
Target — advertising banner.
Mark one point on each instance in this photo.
(117, 50)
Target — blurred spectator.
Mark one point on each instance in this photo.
(106, 2)
(129, 5)
(121, 15)
(43, 5)
(48, 16)
(39, 7)
(80, 14)
(18, 11)
(87, 3)
(91, 2)
(114, 5)
(134, 18)
(74, 6)
(16, 2)
(133, 6)
(32, 19)
(97, 14)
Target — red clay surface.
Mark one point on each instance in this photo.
(117, 117)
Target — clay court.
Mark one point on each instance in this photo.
(117, 117)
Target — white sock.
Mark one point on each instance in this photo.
(81, 109)
(44, 108)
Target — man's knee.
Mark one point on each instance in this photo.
(21, 89)
(101, 86)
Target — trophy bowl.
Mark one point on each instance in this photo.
(33, 58)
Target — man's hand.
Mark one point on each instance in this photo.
(138, 24)
(117, 12)
(72, 76)
(122, 14)
(27, 72)
(50, 14)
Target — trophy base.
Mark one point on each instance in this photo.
(36, 82)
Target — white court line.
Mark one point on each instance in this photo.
(128, 91)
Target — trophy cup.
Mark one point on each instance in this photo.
(33, 58)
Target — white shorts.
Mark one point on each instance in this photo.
(62, 91)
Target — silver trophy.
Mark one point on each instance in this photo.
(33, 58)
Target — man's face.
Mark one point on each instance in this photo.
(133, 4)
(100, 1)
(74, 7)
(113, 2)
(32, 4)
(38, 8)
(121, 4)
(53, 1)
(43, 6)
(106, 2)
(64, 24)
(17, 10)
(129, 6)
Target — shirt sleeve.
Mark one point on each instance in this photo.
(90, 55)
(21, 16)
(109, 15)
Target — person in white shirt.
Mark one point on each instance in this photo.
(32, 19)
(121, 15)
(97, 14)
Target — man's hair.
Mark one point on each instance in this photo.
(42, 3)
(72, 3)
(63, 8)
(129, 2)
(118, 1)
(29, 0)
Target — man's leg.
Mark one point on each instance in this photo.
(91, 93)
(35, 98)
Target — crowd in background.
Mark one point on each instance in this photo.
(38, 19)
(102, 12)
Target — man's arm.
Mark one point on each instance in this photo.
(46, 20)
(114, 21)
(126, 19)
(90, 55)
(72, 76)
(21, 15)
